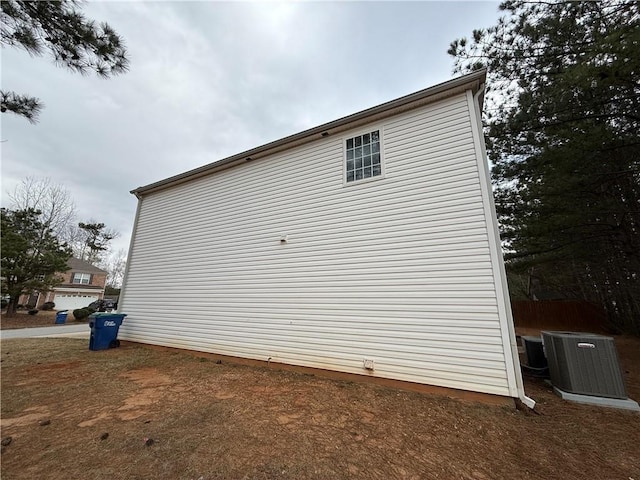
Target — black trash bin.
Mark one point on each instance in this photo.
(104, 330)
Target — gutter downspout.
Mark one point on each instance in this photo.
(529, 402)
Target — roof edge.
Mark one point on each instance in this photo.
(472, 81)
(82, 266)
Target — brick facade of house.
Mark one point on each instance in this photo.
(82, 284)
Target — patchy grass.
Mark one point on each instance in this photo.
(44, 318)
(224, 421)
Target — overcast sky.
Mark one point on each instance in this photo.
(211, 79)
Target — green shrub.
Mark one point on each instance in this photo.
(90, 309)
(48, 306)
(81, 313)
(33, 311)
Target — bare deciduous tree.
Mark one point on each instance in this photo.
(57, 215)
(115, 266)
(58, 210)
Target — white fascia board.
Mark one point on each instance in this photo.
(412, 101)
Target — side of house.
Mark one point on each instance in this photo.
(82, 284)
(367, 245)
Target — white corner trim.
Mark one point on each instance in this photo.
(129, 253)
(514, 375)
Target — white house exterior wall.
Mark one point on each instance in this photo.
(397, 270)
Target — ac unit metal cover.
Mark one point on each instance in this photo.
(584, 363)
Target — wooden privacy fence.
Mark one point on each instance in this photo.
(570, 315)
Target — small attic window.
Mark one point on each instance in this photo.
(363, 157)
(81, 278)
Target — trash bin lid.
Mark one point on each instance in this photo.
(107, 315)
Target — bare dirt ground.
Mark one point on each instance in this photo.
(44, 318)
(140, 413)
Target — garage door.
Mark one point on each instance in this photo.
(71, 301)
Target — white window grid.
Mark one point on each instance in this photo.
(363, 157)
(81, 278)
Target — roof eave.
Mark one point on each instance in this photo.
(472, 81)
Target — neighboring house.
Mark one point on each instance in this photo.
(367, 245)
(82, 284)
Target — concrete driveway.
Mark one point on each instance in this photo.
(70, 331)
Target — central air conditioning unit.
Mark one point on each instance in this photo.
(534, 351)
(584, 364)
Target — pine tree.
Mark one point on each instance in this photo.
(96, 238)
(563, 136)
(72, 40)
(31, 255)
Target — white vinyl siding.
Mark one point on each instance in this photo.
(398, 270)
